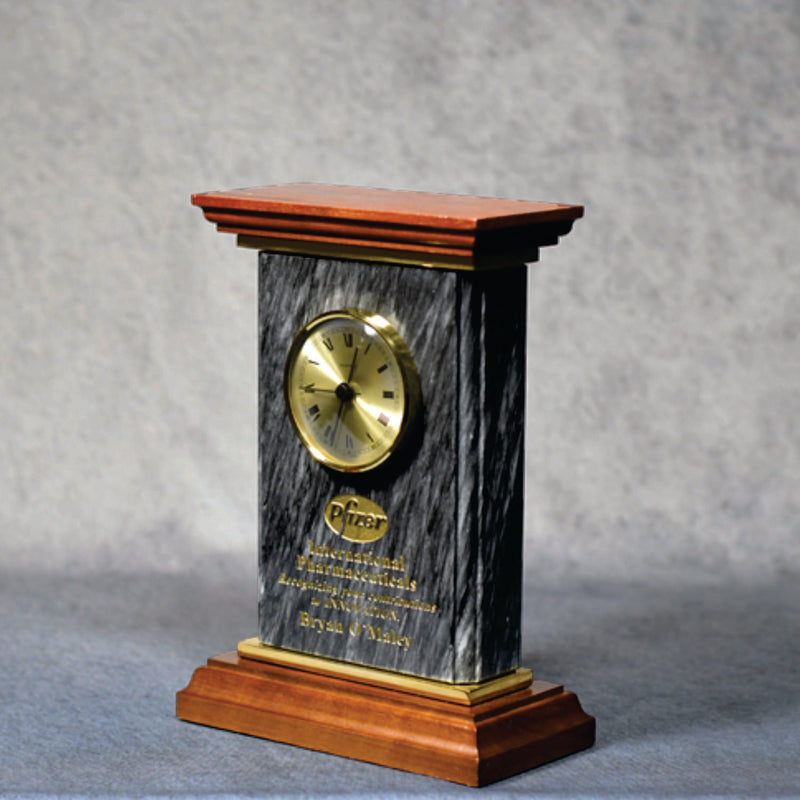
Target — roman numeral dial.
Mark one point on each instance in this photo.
(351, 388)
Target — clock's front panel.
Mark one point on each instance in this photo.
(358, 376)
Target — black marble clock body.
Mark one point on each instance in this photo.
(438, 595)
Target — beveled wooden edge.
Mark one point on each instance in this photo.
(473, 745)
(462, 693)
(398, 207)
(349, 252)
(445, 231)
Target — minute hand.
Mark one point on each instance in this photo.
(352, 366)
(342, 400)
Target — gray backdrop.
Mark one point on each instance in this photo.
(663, 419)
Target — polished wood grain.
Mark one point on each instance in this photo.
(442, 230)
(472, 744)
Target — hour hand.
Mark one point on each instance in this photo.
(310, 388)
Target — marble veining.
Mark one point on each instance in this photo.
(453, 498)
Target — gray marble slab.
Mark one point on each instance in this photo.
(453, 497)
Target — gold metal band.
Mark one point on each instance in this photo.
(356, 253)
(461, 693)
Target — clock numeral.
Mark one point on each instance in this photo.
(313, 412)
(388, 395)
(348, 441)
(369, 437)
(328, 342)
(382, 368)
(311, 361)
(383, 419)
(309, 389)
(348, 339)
(328, 434)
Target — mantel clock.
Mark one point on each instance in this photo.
(391, 461)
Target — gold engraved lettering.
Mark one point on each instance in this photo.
(320, 625)
(357, 607)
(378, 634)
(372, 569)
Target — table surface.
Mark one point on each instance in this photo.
(695, 690)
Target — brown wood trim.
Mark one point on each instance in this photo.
(295, 236)
(442, 229)
(388, 205)
(471, 744)
(346, 229)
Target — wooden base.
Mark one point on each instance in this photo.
(467, 742)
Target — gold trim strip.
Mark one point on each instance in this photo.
(461, 693)
(353, 253)
(497, 260)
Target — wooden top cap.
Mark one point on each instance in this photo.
(437, 230)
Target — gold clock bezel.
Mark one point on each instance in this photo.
(408, 373)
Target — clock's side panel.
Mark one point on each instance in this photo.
(387, 603)
(491, 323)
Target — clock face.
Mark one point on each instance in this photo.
(351, 388)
